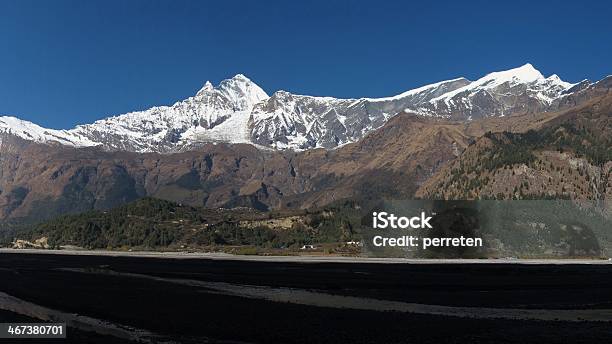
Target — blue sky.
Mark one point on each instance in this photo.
(69, 62)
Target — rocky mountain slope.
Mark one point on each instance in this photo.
(150, 223)
(568, 156)
(239, 111)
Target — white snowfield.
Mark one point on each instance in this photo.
(239, 111)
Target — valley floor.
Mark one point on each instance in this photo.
(256, 300)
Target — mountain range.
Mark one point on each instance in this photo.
(512, 134)
(239, 111)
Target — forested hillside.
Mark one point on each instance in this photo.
(152, 223)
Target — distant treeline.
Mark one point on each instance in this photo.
(154, 223)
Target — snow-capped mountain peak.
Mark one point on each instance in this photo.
(498, 94)
(239, 90)
(208, 87)
(164, 128)
(523, 74)
(242, 92)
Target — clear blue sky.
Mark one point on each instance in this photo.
(69, 62)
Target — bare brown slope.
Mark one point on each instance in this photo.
(390, 162)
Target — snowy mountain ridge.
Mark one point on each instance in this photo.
(239, 111)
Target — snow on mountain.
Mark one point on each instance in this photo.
(239, 111)
(498, 94)
(164, 128)
(287, 120)
(521, 75)
(33, 132)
